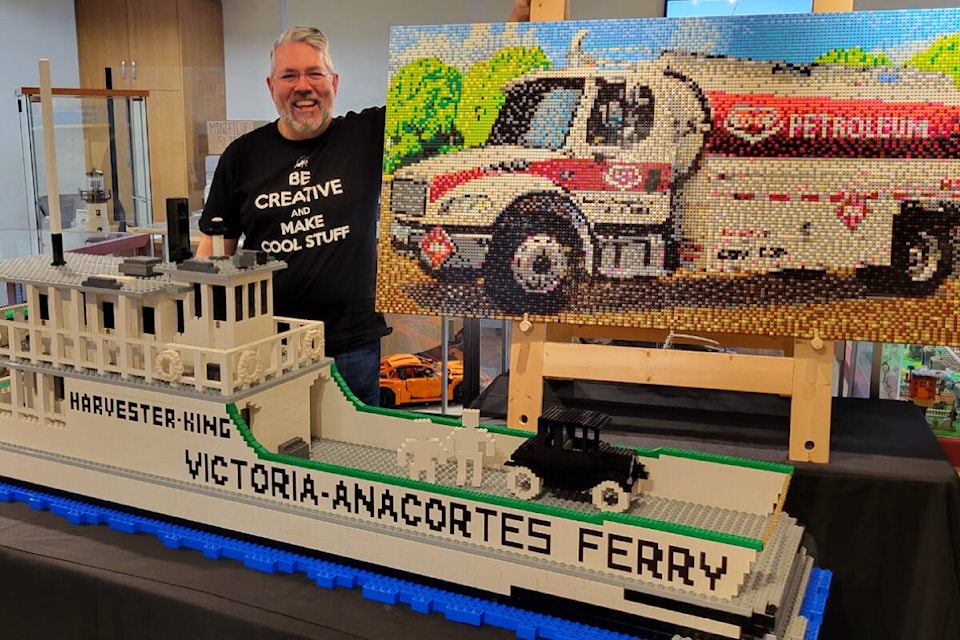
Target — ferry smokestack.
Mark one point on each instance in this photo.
(216, 228)
(178, 229)
(50, 151)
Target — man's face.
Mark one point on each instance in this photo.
(303, 89)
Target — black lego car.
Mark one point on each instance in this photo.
(568, 454)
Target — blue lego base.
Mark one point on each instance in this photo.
(815, 601)
(527, 625)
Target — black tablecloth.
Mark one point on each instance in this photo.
(60, 581)
(885, 514)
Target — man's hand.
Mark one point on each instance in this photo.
(205, 248)
(521, 11)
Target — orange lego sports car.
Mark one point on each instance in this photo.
(410, 379)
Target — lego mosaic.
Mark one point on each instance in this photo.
(773, 175)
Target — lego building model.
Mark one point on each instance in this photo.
(770, 175)
(173, 388)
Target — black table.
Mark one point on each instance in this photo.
(885, 514)
(60, 581)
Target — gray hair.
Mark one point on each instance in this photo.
(309, 35)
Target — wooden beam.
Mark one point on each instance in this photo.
(669, 367)
(639, 334)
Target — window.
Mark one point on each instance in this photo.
(705, 8)
(238, 301)
(44, 302)
(197, 300)
(251, 299)
(616, 120)
(180, 319)
(538, 114)
(106, 309)
(149, 320)
(219, 302)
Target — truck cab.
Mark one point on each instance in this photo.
(574, 182)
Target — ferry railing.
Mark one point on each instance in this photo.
(293, 345)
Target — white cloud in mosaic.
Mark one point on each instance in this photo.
(701, 36)
(903, 51)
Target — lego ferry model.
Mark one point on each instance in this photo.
(173, 388)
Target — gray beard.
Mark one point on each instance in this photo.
(303, 128)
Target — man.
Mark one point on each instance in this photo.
(305, 189)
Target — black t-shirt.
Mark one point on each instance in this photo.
(313, 204)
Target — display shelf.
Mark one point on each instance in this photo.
(101, 135)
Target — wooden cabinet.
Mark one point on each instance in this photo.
(174, 50)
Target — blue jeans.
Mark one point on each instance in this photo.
(360, 369)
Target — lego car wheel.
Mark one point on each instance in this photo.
(536, 259)
(524, 483)
(610, 496)
(387, 398)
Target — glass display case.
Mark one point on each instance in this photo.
(103, 164)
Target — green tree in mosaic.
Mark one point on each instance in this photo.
(421, 109)
(482, 89)
(855, 57)
(943, 56)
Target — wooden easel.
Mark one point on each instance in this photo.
(805, 372)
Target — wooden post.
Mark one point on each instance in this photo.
(525, 396)
(811, 399)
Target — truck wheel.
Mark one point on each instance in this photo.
(921, 257)
(387, 399)
(610, 496)
(922, 254)
(524, 483)
(535, 260)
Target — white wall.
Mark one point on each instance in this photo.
(249, 29)
(359, 37)
(29, 31)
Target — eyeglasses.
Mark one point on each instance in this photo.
(293, 77)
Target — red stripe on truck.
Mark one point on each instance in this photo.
(570, 174)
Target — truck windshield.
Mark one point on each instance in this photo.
(617, 120)
(538, 114)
